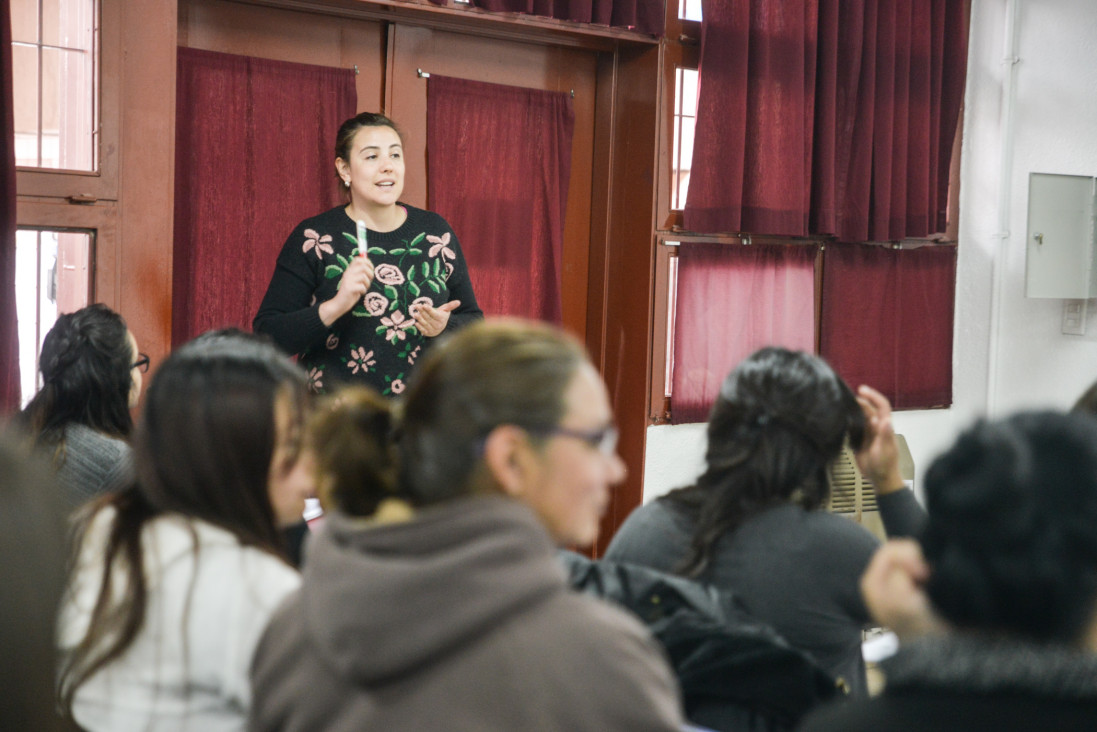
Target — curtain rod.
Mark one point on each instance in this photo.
(426, 75)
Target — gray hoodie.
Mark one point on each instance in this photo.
(458, 620)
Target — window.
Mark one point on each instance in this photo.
(685, 119)
(55, 70)
(689, 9)
(51, 277)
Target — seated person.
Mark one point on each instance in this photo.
(752, 524)
(32, 576)
(91, 378)
(999, 617)
(176, 576)
(431, 597)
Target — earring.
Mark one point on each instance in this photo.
(346, 182)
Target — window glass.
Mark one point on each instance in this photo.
(55, 58)
(52, 276)
(689, 9)
(685, 118)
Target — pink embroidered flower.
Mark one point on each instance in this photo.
(419, 302)
(360, 359)
(315, 242)
(332, 342)
(315, 376)
(375, 303)
(414, 354)
(388, 274)
(397, 386)
(397, 323)
(441, 244)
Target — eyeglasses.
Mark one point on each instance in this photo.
(141, 364)
(604, 440)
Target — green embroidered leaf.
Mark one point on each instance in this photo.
(426, 269)
(414, 331)
(433, 285)
(416, 240)
(397, 252)
(380, 329)
(360, 313)
(393, 304)
(375, 250)
(390, 292)
(332, 271)
(343, 260)
(413, 288)
(415, 252)
(351, 238)
(437, 266)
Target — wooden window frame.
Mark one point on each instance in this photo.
(88, 187)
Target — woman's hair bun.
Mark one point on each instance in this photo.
(352, 435)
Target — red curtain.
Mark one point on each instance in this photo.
(751, 166)
(498, 163)
(887, 320)
(837, 117)
(255, 151)
(9, 331)
(642, 15)
(731, 301)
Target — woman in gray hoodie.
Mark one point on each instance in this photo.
(432, 598)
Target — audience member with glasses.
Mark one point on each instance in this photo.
(751, 522)
(91, 378)
(433, 598)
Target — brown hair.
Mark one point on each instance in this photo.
(492, 373)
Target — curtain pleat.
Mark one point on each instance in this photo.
(731, 301)
(887, 320)
(9, 327)
(255, 143)
(499, 162)
(831, 117)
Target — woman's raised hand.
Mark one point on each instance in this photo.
(878, 458)
(353, 286)
(433, 320)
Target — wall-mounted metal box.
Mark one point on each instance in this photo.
(1062, 237)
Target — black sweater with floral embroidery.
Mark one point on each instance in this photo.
(376, 343)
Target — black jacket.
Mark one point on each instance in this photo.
(737, 674)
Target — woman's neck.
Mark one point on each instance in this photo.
(378, 218)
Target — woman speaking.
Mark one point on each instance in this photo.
(359, 291)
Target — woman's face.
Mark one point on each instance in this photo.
(292, 475)
(375, 168)
(568, 485)
(135, 373)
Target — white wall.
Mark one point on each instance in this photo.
(1009, 352)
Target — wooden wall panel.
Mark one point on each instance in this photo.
(630, 267)
(286, 35)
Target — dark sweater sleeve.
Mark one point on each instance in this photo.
(460, 288)
(901, 513)
(288, 313)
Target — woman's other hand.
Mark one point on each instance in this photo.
(352, 288)
(433, 320)
(878, 458)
